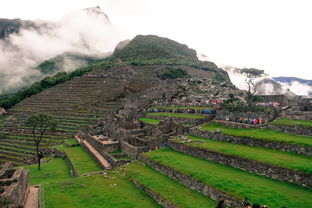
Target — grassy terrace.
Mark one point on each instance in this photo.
(263, 134)
(235, 182)
(291, 122)
(61, 190)
(178, 115)
(274, 157)
(150, 121)
(55, 170)
(81, 160)
(3, 118)
(181, 107)
(168, 188)
(96, 192)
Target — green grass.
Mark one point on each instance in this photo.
(181, 107)
(81, 160)
(178, 115)
(3, 118)
(235, 182)
(150, 121)
(53, 171)
(274, 157)
(291, 122)
(168, 188)
(263, 134)
(96, 192)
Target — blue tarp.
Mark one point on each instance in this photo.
(207, 111)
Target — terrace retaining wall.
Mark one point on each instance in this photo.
(294, 129)
(160, 200)
(73, 170)
(253, 166)
(192, 183)
(185, 120)
(282, 146)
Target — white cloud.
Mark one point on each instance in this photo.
(79, 32)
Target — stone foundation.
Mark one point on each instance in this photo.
(252, 166)
(192, 183)
(14, 185)
(282, 146)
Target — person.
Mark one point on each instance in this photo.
(221, 203)
(256, 205)
(246, 203)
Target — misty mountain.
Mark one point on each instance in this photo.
(30, 50)
(296, 84)
(291, 79)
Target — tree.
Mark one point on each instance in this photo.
(39, 123)
(251, 74)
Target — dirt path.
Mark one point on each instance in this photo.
(32, 200)
(100, 158)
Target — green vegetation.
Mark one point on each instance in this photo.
(263, 134)
(9, 100)
(235, 182)
(3, 118)
(291, 122)
(178, 115)
(39, 124)
(153, 50)
(81, 160)
(54, 170)
(274, 157)
(96, 192)
(168, 188)
(171, 73)
(56, 64)
(150, 121)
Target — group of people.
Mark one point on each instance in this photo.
(252, 121)
(245, 204)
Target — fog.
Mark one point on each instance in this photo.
(88, 32)
(267, 86)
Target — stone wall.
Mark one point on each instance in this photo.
(73, 170)
(282, 146)
(132, 151)
(160, 200)
(16, 187)
(235, 116)
(99, 146)
(294, 129)
(184, 120)
(253, 166)
(282, 99)
(192, 183)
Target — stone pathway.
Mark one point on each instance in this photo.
(32, 200)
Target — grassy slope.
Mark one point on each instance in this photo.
(55, 170)
(95, 192)
(291, 122)
(264, 134)
(150, 121)
(169, 188)
(236, 182)
(178, 115)
(81, 160)
(279, 158)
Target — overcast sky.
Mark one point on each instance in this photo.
(274, 35)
